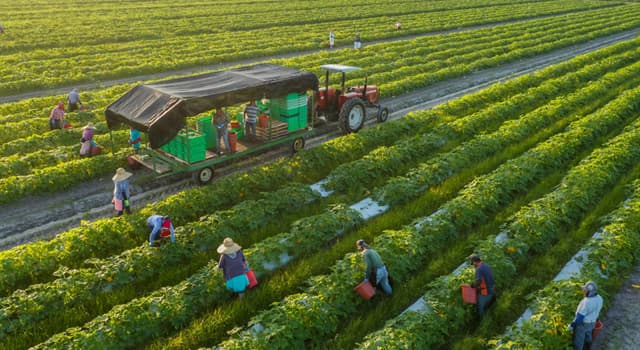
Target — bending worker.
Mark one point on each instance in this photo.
(484, 283)
(160, 227)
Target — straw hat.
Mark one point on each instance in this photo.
(228, 247)
(121, 175)
(89, 126)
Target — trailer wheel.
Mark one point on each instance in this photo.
(204, 175)
(297, 145)
(383, 115)
(352, 116)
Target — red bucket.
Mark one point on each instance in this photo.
(263, 121)
(233, 140)
(366, 290)
(253, 281)
(596, 329)
(469, 294)
(235, 125)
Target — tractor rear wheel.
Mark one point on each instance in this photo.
(383, 114)
(352, 116)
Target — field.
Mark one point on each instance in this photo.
(537, 173)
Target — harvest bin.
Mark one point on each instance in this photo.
(469, 294)
(365, 289)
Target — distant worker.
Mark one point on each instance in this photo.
(74, 100)
(135, 138)
(484, 283)
(56, 118)
(1, 29)
(234, 266)
(121, 191)
(220, 122)
(332, 38)
(356, 42)
(586, 316)
(398, 26)
(89, 147)
(251, 119)
(375, 269)
(161, 228)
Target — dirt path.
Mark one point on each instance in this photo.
(621, 330)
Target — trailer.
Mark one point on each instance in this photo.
(161, 110)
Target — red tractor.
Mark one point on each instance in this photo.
(348, 105)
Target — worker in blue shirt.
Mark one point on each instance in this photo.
(586, 317)
(484, 283)
(161, 227)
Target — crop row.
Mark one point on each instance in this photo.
(530, 231)
(120, 60)
(331, 297)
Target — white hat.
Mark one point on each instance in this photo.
(121, 175)
(228, 246)
(89, 126)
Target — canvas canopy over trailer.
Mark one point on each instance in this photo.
(161, 110)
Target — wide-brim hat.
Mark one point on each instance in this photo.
(89, 126)
(121, 175)
(228, 246)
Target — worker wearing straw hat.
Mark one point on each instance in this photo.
(121, 192)
(234, 266)
(89, 146)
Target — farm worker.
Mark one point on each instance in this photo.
(88, 144)
(375, 268)
(220, 121)
(56, 118)
(121, 192)
(586, 317)
(398, 26)
(484, 283)
(234, 266)
(135, 139)
(161, 228)
(332, 38)
(73, 99)
(356, 42)
(251, 119)
(1, 29)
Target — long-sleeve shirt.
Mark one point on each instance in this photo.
(220, 120)
(120, 188)
(155, 222)
(87, 134)
(372, 261)
(57, 114)
(589, 307)
(484, 279)
(232, 265)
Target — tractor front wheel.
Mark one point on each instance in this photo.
(352, 116)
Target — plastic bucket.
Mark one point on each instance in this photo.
(366, 290)
(596, 329)
(469, 294)
(263, 121)
(233, 140)
(253, 281)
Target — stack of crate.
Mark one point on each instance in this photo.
(191, 146)
(205, 127)
(292, 110)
